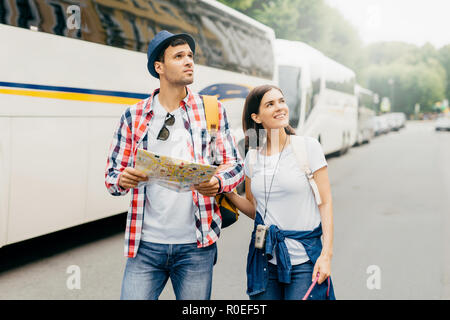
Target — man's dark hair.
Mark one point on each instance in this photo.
(175, 42)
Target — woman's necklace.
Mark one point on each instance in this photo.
(267, 195)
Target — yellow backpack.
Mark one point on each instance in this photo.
(228, 210)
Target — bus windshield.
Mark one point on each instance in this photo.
(366, 101)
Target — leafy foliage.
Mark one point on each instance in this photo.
(406, 73)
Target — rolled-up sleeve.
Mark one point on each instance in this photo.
(119, 155)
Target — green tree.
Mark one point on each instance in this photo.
(444, 58)
(406, 73)
(312, 22)
(408, 84)
(382, 53)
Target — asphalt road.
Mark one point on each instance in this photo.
(392, 233)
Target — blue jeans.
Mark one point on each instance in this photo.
(301, 276)
(189, 268)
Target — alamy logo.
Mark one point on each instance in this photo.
(74, 280)
(374, 280)
(74, 17)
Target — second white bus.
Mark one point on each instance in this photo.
(366, 114)
(320, 95)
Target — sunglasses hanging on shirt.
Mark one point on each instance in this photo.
(164, 133)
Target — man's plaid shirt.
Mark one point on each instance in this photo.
(131, 134)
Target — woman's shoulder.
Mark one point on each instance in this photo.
(250, 161)
(251, 156)
(311, 142)
(251, 152)
(314, 150)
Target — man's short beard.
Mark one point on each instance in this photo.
(184, 82)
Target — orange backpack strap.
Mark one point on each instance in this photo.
(211, 105)
(228, 210)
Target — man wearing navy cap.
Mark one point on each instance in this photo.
(171, 233)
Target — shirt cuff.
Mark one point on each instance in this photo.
(219, 178)
(121, 190)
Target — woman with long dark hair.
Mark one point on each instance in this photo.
(291, 209)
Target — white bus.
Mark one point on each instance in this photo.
(63, 89)
(320, 95)
(367, 102)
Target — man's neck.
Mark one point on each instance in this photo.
(170, 96)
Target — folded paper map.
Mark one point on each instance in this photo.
(173, 173)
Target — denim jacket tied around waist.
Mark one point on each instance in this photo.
(258, 259)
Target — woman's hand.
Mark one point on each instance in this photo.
(323, 266)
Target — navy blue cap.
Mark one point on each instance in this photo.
(160, 40)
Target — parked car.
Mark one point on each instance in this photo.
(381, 125)
(399, 119)
(390, 119)
(443, 122)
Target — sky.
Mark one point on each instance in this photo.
(412, 21)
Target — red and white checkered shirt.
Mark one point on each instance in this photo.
(131, 134)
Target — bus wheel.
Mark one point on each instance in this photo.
(360, 139)
(349, 144)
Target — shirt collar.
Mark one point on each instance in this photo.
(188, 101)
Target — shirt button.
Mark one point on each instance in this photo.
(265, 269)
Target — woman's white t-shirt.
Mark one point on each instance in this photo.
(291, 204)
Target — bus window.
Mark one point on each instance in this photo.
(289, 79)
(308, 101)
(313, 94)
(112, 29)
(342, 85)
(224, 41)
(339, 78)
(316, 79)
(60, 19)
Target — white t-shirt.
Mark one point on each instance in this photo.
(291, 204)
(168, 215)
